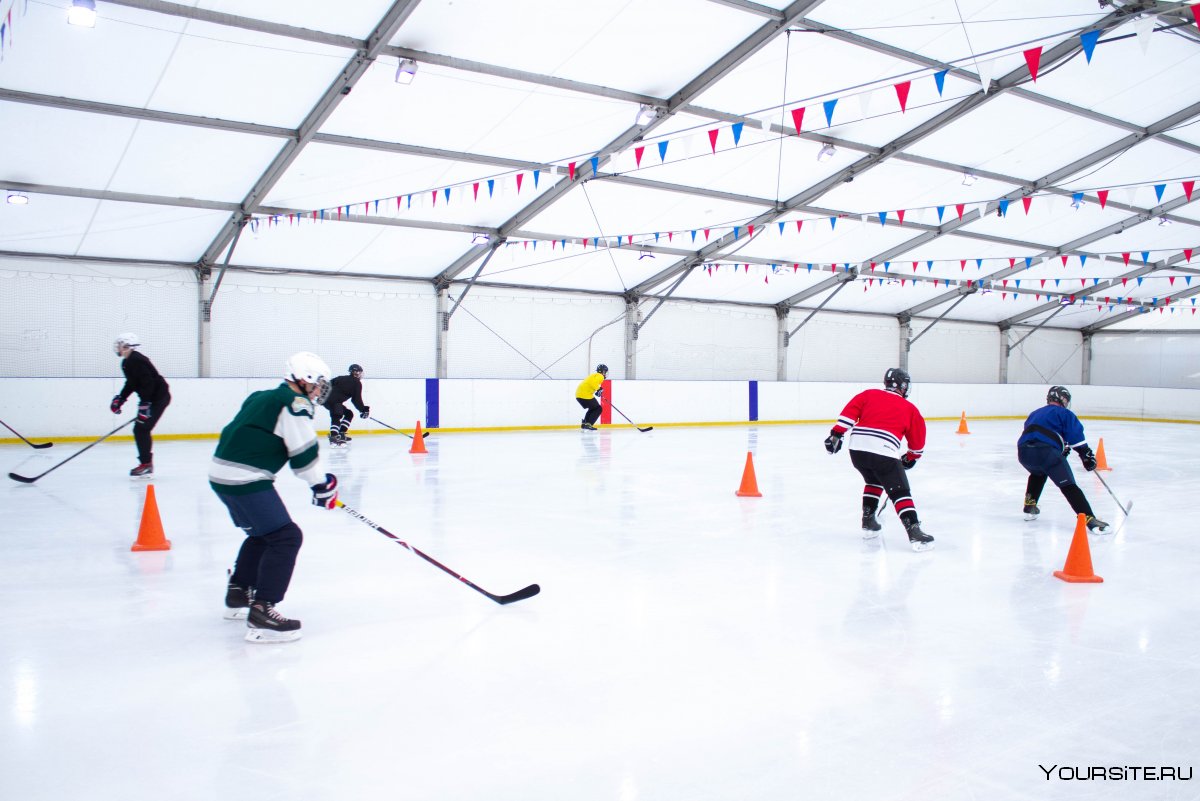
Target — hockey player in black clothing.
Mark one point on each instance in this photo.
(1050, 434)
(154, 395)
(345, 388)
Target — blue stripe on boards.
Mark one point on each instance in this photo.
(433, 410)
(753, 401)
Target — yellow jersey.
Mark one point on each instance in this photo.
(588, 386)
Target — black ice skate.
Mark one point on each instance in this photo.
(870, 525)
(266, 625)
(237, 600)
(142, 471)
(919, 540)
(1031, 510)
(1096, 524)
(336, 440)
(587, 427)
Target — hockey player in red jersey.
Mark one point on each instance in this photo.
(878, 419)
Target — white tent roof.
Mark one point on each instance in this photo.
(149, 138)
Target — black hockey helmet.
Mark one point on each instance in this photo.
(1059, 395)
(602, 369)
(897, 380)
(355, 370)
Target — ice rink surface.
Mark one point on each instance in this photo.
(687, 644)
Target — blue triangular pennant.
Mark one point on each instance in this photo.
(883, 218)
(781, 228)
(1088, 41)
(595, 165)
(737, 132)
(662, 150)
(1158, 190)
(940, 79)
(1082, 259)
(1004, 207)
(1146, 256)
(829, 106)
(491, 186)
(941, 210)
(736, 230)
(536, 173)
(832, 223)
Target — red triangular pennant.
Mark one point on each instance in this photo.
(712, 138)
(1187, 254)
(798, 117)
(570, 175)
(1103, 195)
(1064, 258)
(520, 178)
(637, 154)
(1033, 57)
(900, 214)
(902, 94)
(1125, 256)
(959, 208)
(1025, 201)
(1188, 186)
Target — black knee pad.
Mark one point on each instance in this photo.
(289, 536)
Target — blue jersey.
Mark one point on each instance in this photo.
(1061, 421)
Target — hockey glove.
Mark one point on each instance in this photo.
(1087, 457)
(326, 494)
(117, 403)
(143, 412)
(833, 443)
(600, 392)
(908, 461)
(365, 413)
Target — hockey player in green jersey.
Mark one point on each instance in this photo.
(274, 427)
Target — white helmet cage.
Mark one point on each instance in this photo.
(126, 340)
(312, 370)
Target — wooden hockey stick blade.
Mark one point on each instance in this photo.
(22, 479)
(519, 595)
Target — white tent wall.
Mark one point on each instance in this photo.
(504, 333)
(841, 347)
(258, 320)
(707, 341)
(59, 318)
(1146, 359)
(1047, 356)
(954, 352)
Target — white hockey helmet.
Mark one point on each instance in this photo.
(312, 370)
(126, 340)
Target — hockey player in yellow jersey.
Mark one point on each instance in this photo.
(586, 393)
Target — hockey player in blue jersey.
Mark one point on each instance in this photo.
(1050, 434)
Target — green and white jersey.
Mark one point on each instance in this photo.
(274, 427)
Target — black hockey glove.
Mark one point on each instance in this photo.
(143, 412)
(117, 403)
(326, 494)
(907, 462)
(365, 413)
(1087, 457)
(600, 392)
(833, 443)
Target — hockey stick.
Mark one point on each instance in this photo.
(27, 442)
(635, 425)
(519, 595)
(424, 434)
(1121, 506)
(28, 480)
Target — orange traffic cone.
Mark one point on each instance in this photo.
(150, 532)
(962, 425)
(1101, 462)
(749, 488)
(418, 445)
(1079, 559)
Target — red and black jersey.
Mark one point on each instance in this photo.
(880, 419)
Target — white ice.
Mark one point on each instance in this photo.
(687, 643)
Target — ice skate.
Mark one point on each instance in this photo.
(919, 540)
(587, 427)
(870, 526)
(265, 625)
(237, 600)
(1096, 524)
(1031, 510)
(336, 440)
(142, 471)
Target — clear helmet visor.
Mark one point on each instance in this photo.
(319, 392)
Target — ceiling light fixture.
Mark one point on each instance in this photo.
(827, 152)
(18, 198)
(406, 71)
(646, 115)
(1077, 204)
(1163, 220)
(82, 13)
(480, 239)
(969, 178)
